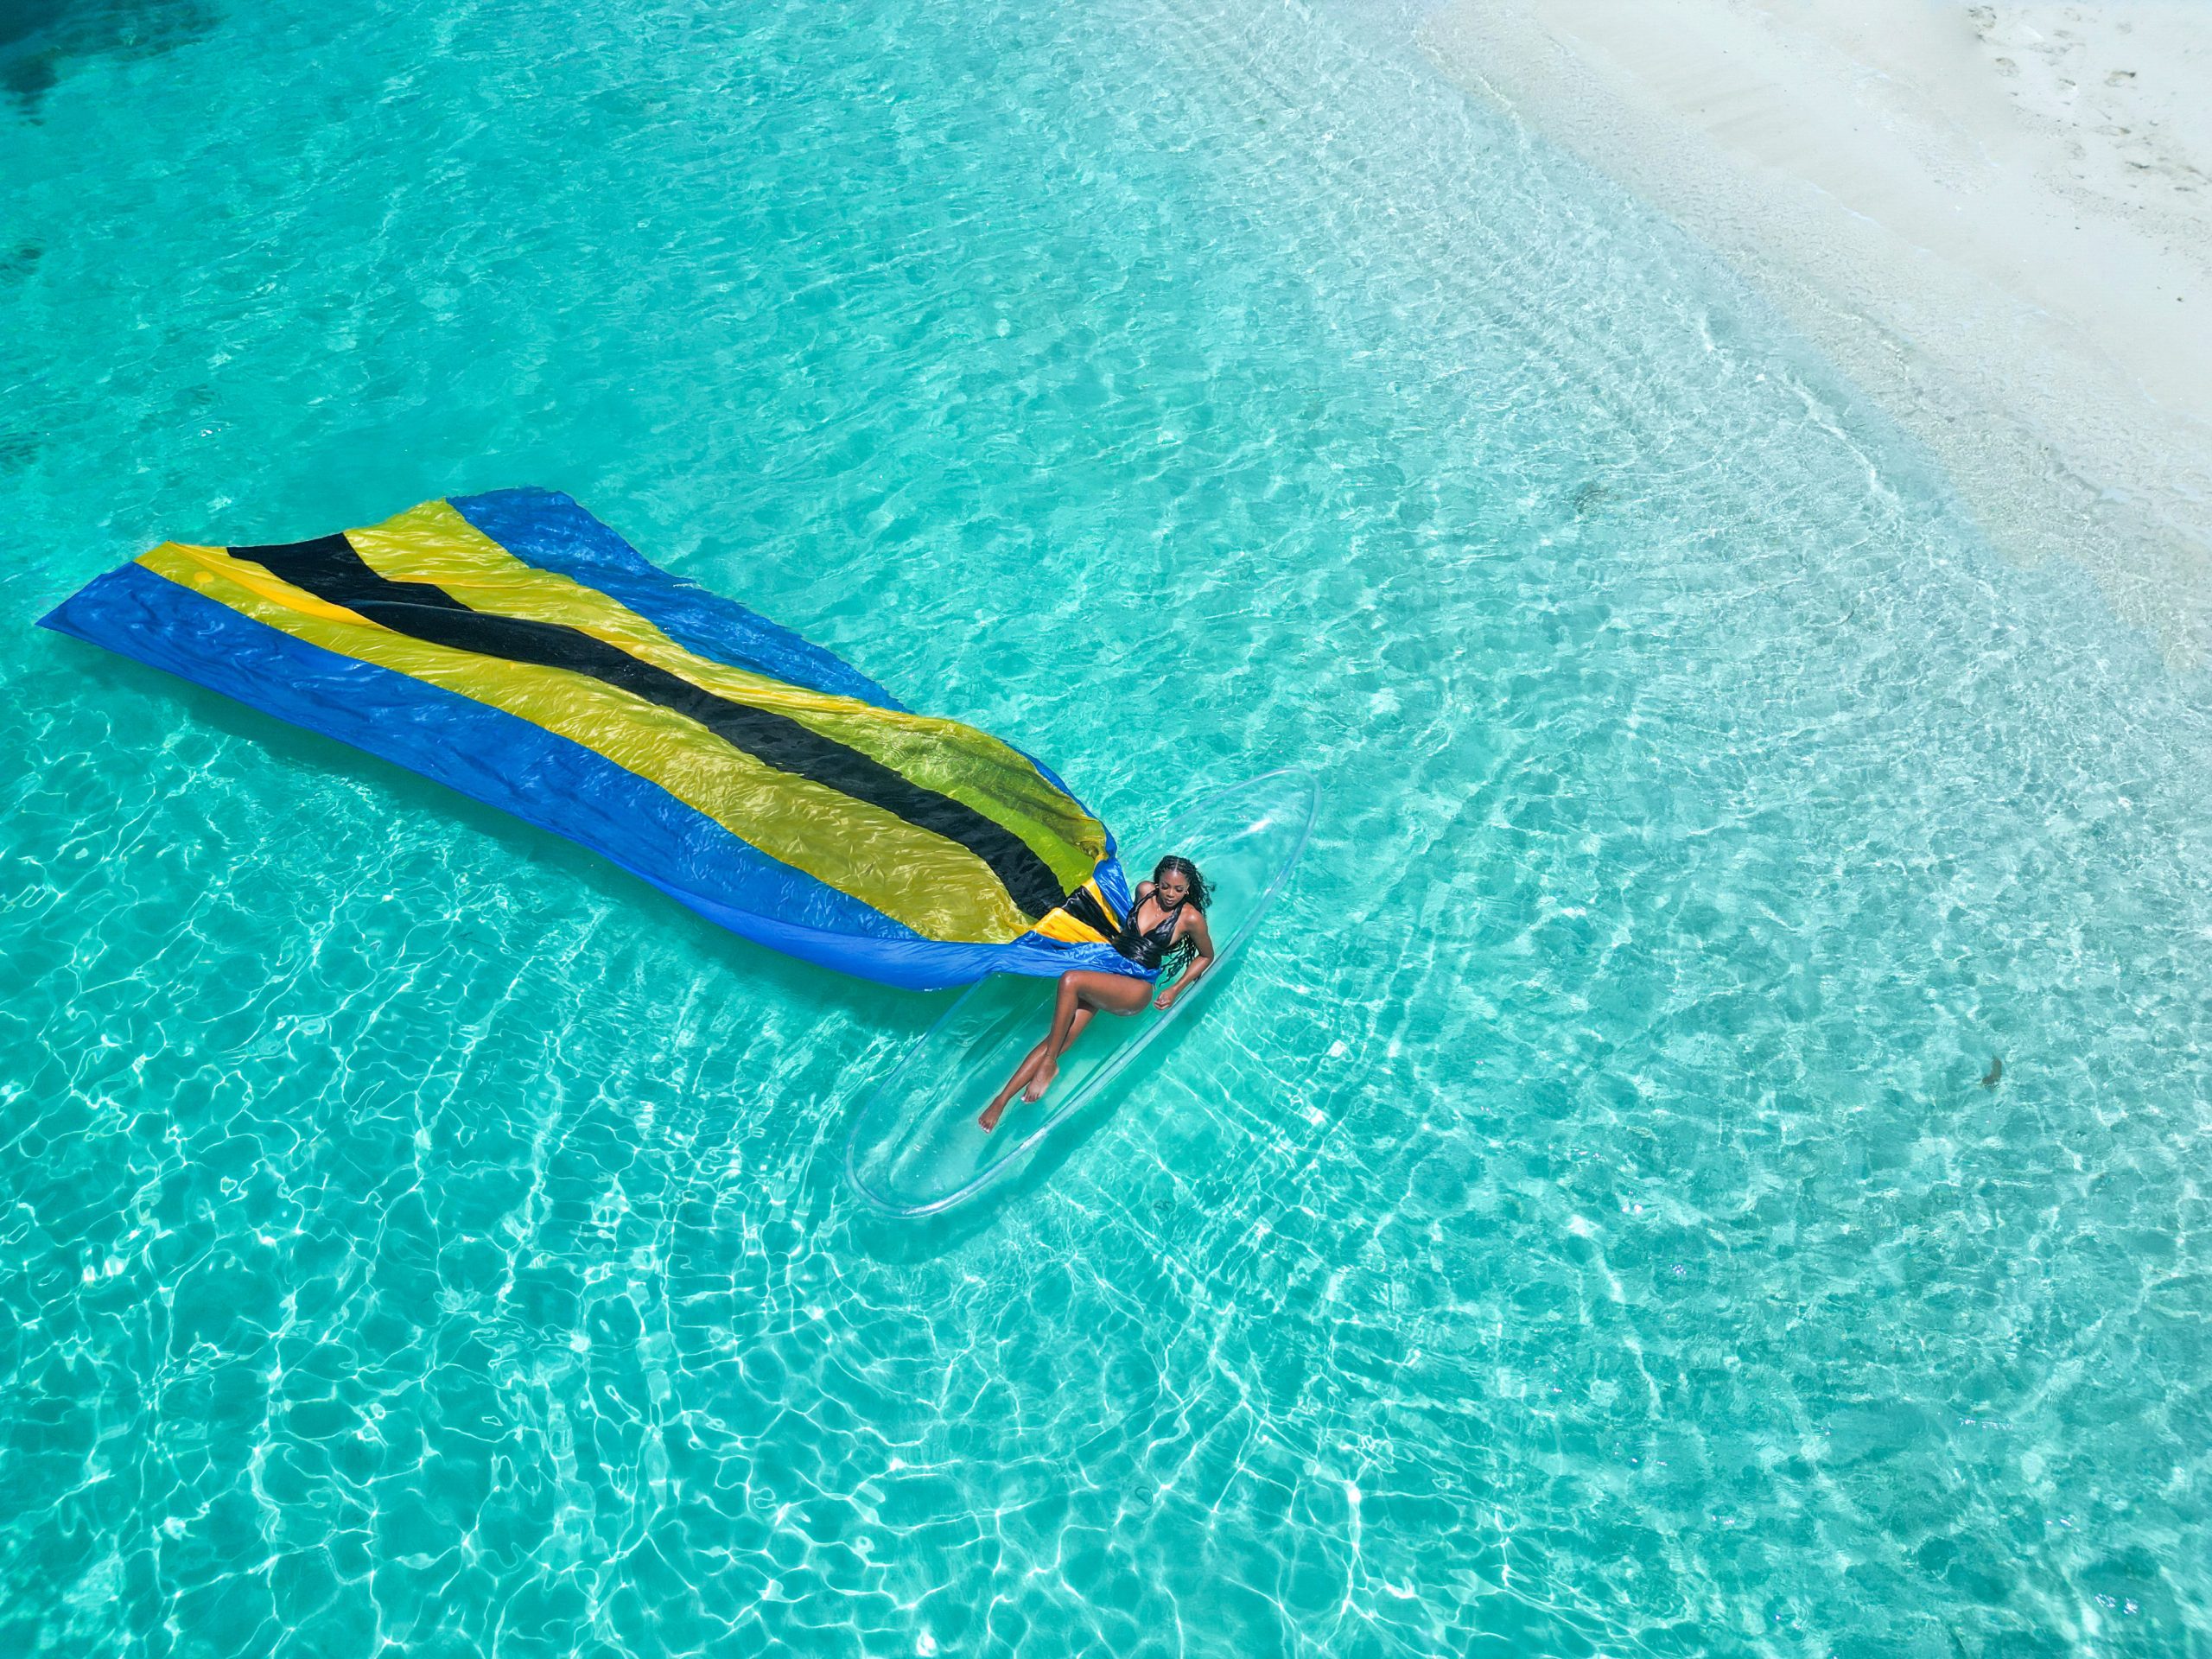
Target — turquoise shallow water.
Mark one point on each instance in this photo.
(1578, 1229)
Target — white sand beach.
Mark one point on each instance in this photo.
(1996, 218)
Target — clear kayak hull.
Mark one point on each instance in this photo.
(917, 1148)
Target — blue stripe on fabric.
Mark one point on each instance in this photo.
(548, 530)
(1114, 882)
(484, 753)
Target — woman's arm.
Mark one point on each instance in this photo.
(1201, 942)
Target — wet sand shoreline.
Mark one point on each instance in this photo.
(1997, 219)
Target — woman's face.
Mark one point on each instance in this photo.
(1173, 886)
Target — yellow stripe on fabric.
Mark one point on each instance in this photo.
(217, 562)
(934, 886)
(1059, 925)
(434, 543)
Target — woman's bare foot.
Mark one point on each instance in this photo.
(996, 1110)
(1041, 1079)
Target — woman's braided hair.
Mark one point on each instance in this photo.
(1181, 952)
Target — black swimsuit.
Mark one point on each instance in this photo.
(1149, 949)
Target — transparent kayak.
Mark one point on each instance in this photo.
(917, 1148)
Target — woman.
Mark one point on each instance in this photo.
(1166, 923)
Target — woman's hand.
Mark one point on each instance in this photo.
(1166, 998)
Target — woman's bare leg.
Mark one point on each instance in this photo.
(1080, 993)
(996, 1110)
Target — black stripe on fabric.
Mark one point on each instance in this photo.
(1083, 906)
(330, 568)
